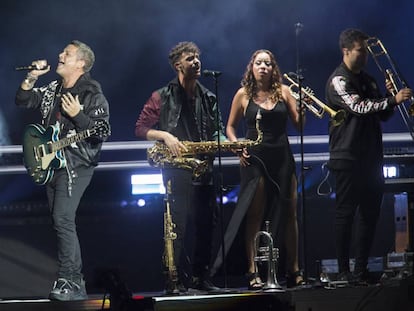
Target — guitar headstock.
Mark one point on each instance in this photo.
(102, 128)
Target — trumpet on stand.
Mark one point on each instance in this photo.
(169, 237)
(386, 65)
(337, 117)
(267, 254)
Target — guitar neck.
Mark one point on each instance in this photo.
(57, 145)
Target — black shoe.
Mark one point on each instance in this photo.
(360, 277)
(254, 281)
(65, 290)
(175, 289)
(345, 277)
(295, 279)
(354, 279)
(204, 285)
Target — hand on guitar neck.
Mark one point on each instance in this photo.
(42, 149)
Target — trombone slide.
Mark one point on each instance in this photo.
(377, 49)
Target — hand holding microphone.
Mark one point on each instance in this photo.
(36, 69)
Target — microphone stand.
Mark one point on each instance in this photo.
(215, 75)
(298, 28)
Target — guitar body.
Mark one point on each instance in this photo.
(43, 151)
(39, 158)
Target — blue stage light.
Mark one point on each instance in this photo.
(147, 184)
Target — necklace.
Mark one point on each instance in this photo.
(266, 103)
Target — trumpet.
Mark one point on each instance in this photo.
(337, 117)
(268, 254)
(387, 66)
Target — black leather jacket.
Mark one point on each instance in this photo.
(171, 110)
(163, 111)
(359, 137)
(94, 106)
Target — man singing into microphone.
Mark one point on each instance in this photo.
(184, 110)
(74, 103)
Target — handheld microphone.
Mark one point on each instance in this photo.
(30, 68)
(212, 73)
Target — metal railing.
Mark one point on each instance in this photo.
(226, 160)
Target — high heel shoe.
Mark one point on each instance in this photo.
(254, 281)
(294, 279)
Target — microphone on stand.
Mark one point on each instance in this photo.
(29, 68)
(211, 73)
(296, 76)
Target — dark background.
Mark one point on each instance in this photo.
(131, 40)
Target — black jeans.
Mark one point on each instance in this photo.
(63, 209)
(192, 204)
(357, 188)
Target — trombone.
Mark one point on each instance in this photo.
(337, 117)
(377, 49)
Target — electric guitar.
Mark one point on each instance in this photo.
(42, 149)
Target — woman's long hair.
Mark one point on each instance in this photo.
(249, 82)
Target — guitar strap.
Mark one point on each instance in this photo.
(47, 107)
(47, 103)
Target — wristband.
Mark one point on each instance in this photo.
(30, 80)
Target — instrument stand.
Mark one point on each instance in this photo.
(215, 75)
(302, 223)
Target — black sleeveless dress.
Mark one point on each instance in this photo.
(272, 159)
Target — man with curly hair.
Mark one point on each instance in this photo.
(184, 110)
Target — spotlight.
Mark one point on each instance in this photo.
(390, 171)
(147, 184)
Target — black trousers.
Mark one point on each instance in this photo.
(63, 209)
(192, 203)
(358, 188)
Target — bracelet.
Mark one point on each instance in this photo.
(31, 77)
(30, 80)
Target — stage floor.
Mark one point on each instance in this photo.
(395, 295)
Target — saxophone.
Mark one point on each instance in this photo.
(160, 155)
(169, 237)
